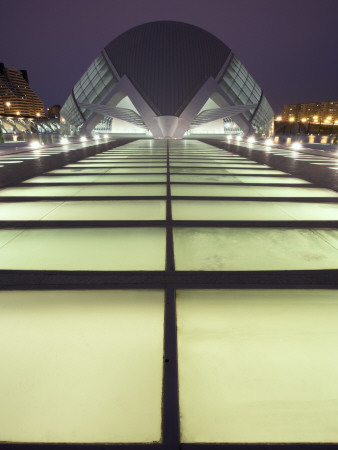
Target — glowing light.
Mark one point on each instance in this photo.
(8, 104)
(18, 113)
(238, 138)
(315, 117)
(296, 145)
(268, 142)
(303, 119)
(35, 144)
(229, 138)
(64, 140)
(38, 114)
(279, 118)
(291, 119)
(97, 137)
(105, 136)
(329, 118)
(251, 139)
(83, 138)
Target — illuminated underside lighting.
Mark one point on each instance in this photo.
(238, 138)
(83, 138)
(64, 140)
(105, 136)
(251, 139)
(229, 138)
(269, 142)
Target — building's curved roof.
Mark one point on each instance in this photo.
(167, 62)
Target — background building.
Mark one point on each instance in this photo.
(322, 112)
(186, 82)
(53, 111)
(17, 98)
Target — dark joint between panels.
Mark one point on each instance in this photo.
(185, 183)
(98, 175)
(262, 446)
(79, 446)
(18, 199)
(97, 280)
(79, 199)
(103, 183)
(170, 400)
(170, 263)
(172, 446)
(295, 224)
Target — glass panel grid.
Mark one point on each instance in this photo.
(194, 170)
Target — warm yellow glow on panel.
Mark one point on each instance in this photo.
(329, 118)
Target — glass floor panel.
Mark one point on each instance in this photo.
(271, 191)
(43, 191)
(26, 210)
(231, 249)
(109, 210)
(203, 179)
(139, 170)
(124, 164)
(195, 164)
(213, 170)
(85, 249)
(99, 179)
(71, 359)
(258, 366)
(138, 190)
(248, 191)
(62, 179)
(217, 210)
(272, 180)
(70, 170)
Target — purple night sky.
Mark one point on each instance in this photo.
(289, 47)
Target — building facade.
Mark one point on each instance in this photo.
(321, 112)
(167, 79)
(17, 98)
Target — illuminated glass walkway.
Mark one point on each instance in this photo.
(98, 260)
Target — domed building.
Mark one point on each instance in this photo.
(167, 79)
